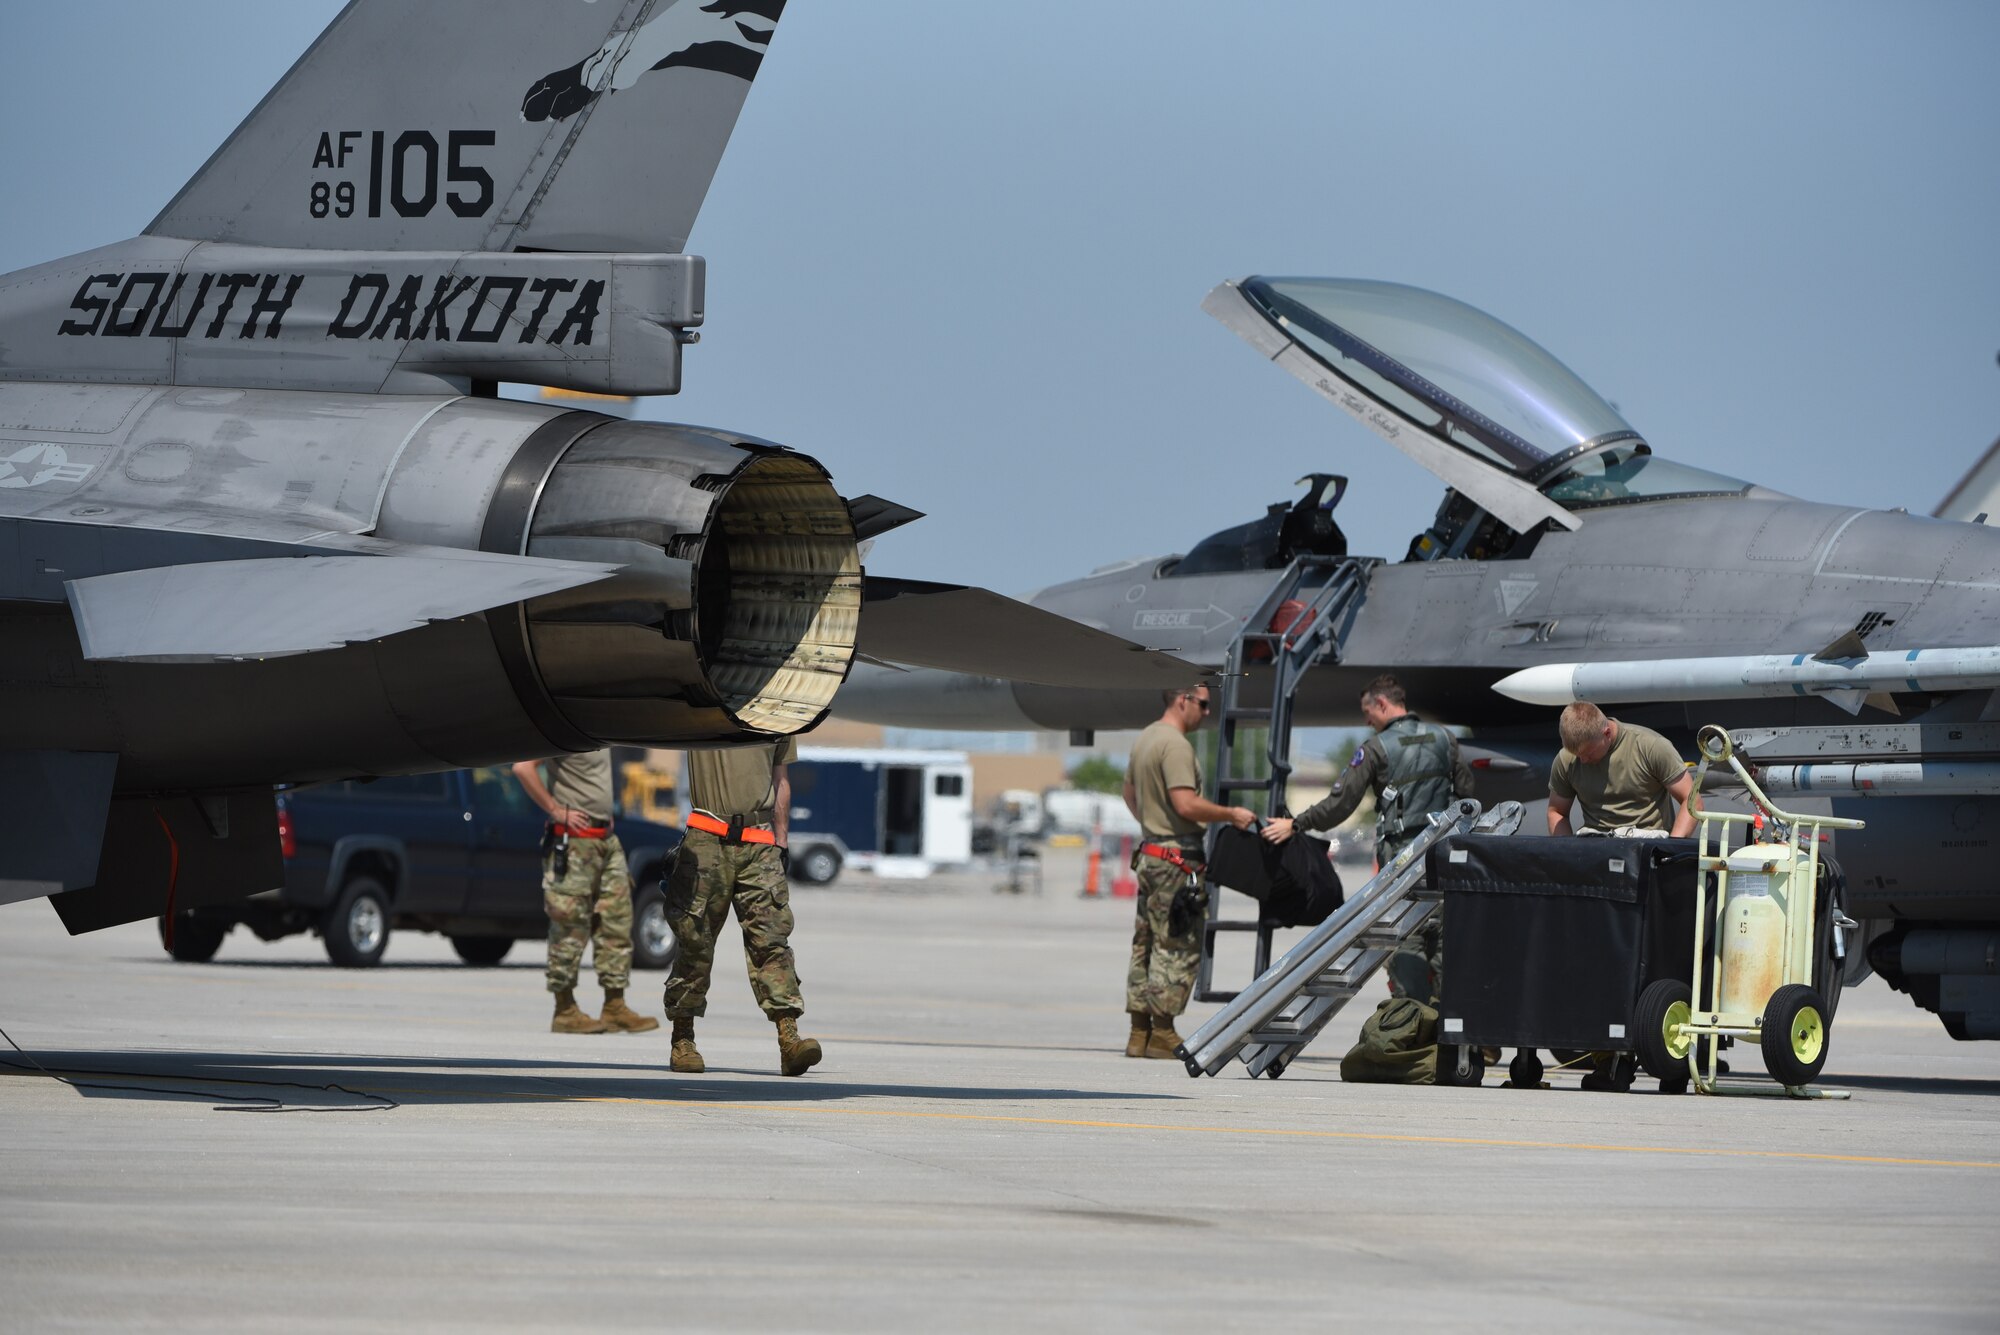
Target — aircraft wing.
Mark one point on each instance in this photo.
(272, 607)
(963, 629)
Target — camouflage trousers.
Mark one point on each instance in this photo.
(593, 899)
(708, 878)
(1163, 965)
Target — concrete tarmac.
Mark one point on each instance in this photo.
(975, 1153)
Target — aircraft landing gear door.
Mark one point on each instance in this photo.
(902, 811)
(948, 822)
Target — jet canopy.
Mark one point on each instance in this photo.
(1474, 400)
(1449, 368)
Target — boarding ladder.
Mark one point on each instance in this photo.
(1270, 1022)
(1328, 590)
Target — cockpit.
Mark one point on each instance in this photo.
(1288, 530)
(1628, 471)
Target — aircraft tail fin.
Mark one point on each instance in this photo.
(499, 125)
(1977, 493)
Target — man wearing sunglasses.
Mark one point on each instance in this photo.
(1163, 793)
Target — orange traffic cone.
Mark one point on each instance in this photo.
(1095, 867)
(1124, 885)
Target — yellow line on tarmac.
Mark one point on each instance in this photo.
(553, 1096)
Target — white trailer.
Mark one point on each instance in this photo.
(897, 813)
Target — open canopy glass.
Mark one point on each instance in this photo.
(1450, 368)
(1464, 378)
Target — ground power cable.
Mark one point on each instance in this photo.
(257, 1103)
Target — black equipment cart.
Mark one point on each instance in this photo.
(1549, 942)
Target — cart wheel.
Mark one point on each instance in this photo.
(1525, 1071)
(1664, 1007)
(1675, 1084)
(1448, 1059)
(1795, 1034)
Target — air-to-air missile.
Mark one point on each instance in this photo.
(1753, 676)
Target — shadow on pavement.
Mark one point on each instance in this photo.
(1912, 1084)
(434, 1081)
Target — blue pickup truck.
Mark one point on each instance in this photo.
(456, 853)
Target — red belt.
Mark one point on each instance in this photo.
(589, 832)
(732, 832)
(1173, 853)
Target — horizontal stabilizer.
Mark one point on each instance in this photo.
(276, 606)
(978, 631)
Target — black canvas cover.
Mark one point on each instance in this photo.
(1295, 881)
(1548, 942)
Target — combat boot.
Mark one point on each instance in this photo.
(619, 1018)
(1162, 1040)
(570, 1019)
(796, 1055)
(687, 1058)
(1142, 1026)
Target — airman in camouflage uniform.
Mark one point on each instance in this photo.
(1163, 793)
(743, 798)
(586, 890)
(1413, 768)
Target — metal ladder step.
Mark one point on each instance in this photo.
(1395, 928)
(1323, 586)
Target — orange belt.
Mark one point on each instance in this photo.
(729, 831)
(593, 832)
(1173, 853)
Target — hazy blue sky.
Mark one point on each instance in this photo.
(957, 250)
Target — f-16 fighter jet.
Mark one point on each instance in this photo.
(264, 520)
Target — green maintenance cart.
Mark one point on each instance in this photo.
(1754, 935)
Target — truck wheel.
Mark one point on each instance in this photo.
(1663, 1008)
(356, 928)
(482, 950)
(653, 944)
(818, 865)
(195, 939)
(1794, 1035)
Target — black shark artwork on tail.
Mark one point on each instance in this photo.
(711, 37)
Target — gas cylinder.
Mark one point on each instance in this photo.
(1753, 927)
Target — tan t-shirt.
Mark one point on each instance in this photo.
(737, 781)
(1163, 759)
(582, 783)
(1627, 787)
